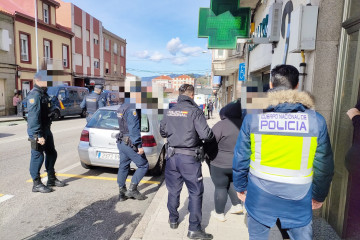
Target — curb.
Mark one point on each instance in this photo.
(11, 120)
(150, 213)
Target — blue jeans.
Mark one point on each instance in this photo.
(127, 154)
(258, 231)
(37, 156)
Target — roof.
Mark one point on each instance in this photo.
(130, 75)
(163, 77)
(184, 76)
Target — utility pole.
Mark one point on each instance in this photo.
(36, 38)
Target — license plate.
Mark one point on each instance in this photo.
(108, 156)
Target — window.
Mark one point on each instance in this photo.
(122, 70)
(78, 58)
(62, 94)
(25, 46)
(47, 49)
(65, 56)
(46, 13)
(96, 39)
(87, 35)
(96, 64)
(77, 31)
(114, 68)
(106, 67)
(122, 51)
(107, 44)
(115, 48)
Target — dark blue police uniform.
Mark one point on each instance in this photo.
(39, 122)
(185, 126)
(129, 141)
(92, 102)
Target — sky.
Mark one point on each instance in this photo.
(161, 35)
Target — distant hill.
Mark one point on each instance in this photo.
(194, 75)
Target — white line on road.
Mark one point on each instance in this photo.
(5, 197)
(26, 137)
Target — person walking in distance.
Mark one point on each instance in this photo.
(184, 126)
(283, 163)
(210, 108)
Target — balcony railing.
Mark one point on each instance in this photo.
(51, 64)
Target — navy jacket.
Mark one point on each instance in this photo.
(129, 123)
(93, 102)
(38, 112)
(184, 125)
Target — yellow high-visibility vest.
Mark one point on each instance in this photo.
(285, 159)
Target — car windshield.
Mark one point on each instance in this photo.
(52, 91)
(105, 119)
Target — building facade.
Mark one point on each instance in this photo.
(7, 63)
(178, 81)
(87, 45)
(53, 43)
(165, 81)
(114, 61)
(330, 59)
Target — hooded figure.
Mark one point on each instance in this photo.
(222, 152)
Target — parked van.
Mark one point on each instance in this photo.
(65, 100)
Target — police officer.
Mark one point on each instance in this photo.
(184, 126)
(39, 121)
(130, 146)
(93, 101)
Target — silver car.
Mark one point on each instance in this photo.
(98, 145)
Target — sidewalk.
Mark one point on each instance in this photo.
(154, 224)
(11, 118)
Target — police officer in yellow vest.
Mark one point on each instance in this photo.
(283, 162)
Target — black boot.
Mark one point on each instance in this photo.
(200, 234)
(122, 196)
(53, 181)
(40, 187)
(134, 193)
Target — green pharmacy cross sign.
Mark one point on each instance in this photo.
(223, 23)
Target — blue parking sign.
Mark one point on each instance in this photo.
(242, 72)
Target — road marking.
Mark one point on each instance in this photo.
(3, 197)
(44, 175)
(94, 177)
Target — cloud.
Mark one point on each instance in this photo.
(142, 54)
(157, 57)
(174, 46)
(180, 60)
(191, 51)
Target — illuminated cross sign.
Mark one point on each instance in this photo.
(223, 23)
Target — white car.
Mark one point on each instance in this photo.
(98, 145)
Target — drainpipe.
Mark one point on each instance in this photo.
(302, 71)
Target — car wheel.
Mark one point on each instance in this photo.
(86, 166)
(56, 114)
(83, 113)
(159, 167)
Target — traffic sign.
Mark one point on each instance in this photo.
(242, 72)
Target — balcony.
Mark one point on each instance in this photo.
(228, 65)
(51, 64)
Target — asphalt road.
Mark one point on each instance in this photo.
(85, 209)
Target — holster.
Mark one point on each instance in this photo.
(34, 144)
(200, 153)
(126, 140)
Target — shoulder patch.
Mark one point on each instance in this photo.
(31, 101)
(134, 113)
